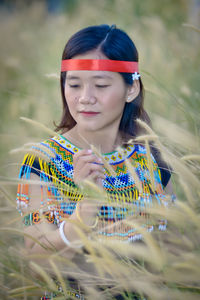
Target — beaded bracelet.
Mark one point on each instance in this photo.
(81, 221)
(63, 237)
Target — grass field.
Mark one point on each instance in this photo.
(167, 265)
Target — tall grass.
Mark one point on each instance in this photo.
(166, 264)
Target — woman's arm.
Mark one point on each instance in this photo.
(48, 235)
(169, 189)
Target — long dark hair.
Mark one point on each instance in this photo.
(116, 45)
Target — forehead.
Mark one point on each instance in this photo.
(91, 75)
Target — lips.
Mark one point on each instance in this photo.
(89, 113)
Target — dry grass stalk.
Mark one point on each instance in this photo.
(105, 163)
(194, 157)
(52, 75)
(177, 135)
(40, 271)
(40, 126)
(192, 27)
(168, 262)
(59, 276)
(150, 165)
(37, 152)
(131, 171)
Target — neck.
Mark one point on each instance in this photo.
(104, 141)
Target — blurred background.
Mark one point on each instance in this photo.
(167, 35)
(33, 35)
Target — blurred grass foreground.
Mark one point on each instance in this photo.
(166, 265)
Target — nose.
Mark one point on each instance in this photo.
(87, 96)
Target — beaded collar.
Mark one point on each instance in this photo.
(114, 157)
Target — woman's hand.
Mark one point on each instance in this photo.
(88, 166)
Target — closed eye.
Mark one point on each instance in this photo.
(102, 86)
(74, 85)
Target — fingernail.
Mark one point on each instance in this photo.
(89, 151)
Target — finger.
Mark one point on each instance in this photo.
(80, 174)
(88, 169)
(80, 154)
(84, 152)
(99, 181)
(94, 167)
(97, 178)
(95, 175)
(84, 159)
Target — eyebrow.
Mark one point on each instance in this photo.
(95, 77)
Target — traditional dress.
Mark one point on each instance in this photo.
(52, 161)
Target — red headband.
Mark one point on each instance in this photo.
(99, 65)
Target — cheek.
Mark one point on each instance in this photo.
(72, 104)
(115, 101)
(71, 99)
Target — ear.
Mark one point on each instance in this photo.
(133, 91)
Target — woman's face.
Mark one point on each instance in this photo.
(95, 99)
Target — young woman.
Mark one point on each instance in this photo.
(102, 96)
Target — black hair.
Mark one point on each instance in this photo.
(115, 44)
